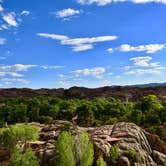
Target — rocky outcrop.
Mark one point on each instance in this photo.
(135, 146)
(132, 93)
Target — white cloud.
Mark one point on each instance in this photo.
(2, 41)
(95, 72)
(149, 49)
(107, 2)
(144, 61)
(51, 67)
(10, 19)
(78, 44)
(53, 36)
(25, 13)
(143, 65)
(1, 8)
(82, 47)
(65, 13)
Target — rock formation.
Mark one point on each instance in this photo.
(135, 146)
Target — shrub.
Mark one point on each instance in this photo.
(45, 119)
(133, 155)
(114, 152)
(101, 162)
(10, 136)
(19, 158)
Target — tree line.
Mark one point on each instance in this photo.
(148, 111)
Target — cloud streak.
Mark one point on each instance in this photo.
(3, 41)
(78, 44)
(149, 48)
(107, 2)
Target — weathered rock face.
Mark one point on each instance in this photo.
(135, 146)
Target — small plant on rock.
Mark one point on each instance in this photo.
(114, 152)
(101, 162)
(133, 155)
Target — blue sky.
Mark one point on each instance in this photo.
(91, 43)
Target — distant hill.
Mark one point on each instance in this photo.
(150, 85)
(131, 93)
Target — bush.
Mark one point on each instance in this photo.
(133, 155)
(2, 123)
(45, 119)
(114, 152)
(19, 158)
(101, 162)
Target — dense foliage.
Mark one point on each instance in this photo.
(149, 111)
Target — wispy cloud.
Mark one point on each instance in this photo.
(25, 12)
(10, 81)
(107, 2)
(144, 71)
(149, 49)
(46, 67)
(78, 44)
(67, 13)
(3, 41)
(14, 70)
(95, 72)
(13, 74)
(16, 67)
(1, 8)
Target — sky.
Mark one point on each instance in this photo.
(89, 43)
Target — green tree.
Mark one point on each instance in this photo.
(150, 102)
(18, 133)
(85, 115)
(74, 150)
(65, 150)
(136, 116)
(83, 150)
